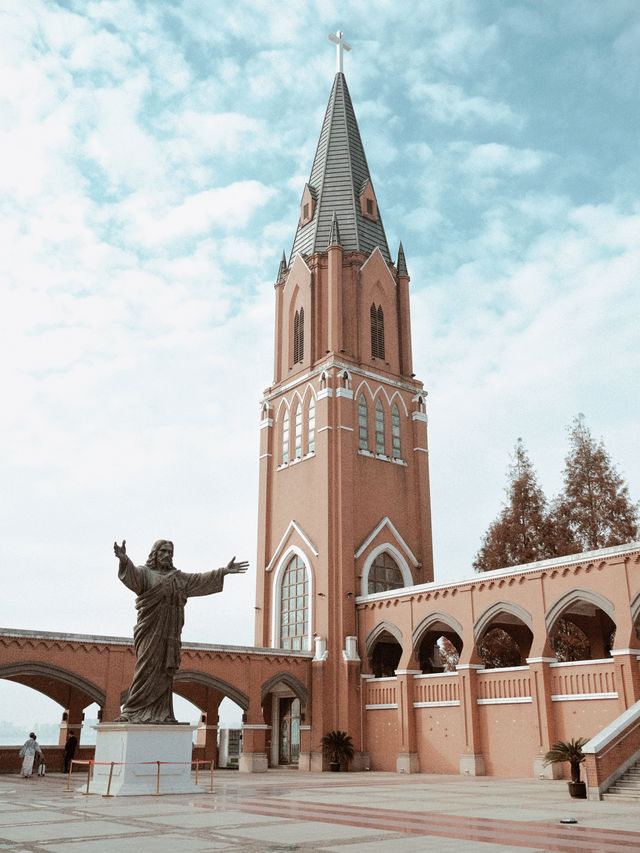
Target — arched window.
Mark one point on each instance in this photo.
(297, 435)
(379, 427)
(294, 606)
(377, 331)
(311, 426)
(363, 427)
(396, 446)
(298, 336)
(384, 574)
(285, 438)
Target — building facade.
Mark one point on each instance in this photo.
(351, 631)
(344, 474)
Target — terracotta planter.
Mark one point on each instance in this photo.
(578, 790)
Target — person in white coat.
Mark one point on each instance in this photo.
(28, 753)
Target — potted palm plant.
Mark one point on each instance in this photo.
(338, 747)
(571, 751)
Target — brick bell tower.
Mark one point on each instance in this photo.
(344, 505)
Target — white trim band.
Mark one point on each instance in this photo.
(578, 697)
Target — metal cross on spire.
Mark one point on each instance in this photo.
(341, 45)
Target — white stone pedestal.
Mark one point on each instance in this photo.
(130, 746)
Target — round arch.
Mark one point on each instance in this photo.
(401, 562)
(426, 640)
(380, 629)
(508, 611)
(229, 691)
(291, 551)
(438, 620)
(293, 683)
(17, 671)
(578, 596)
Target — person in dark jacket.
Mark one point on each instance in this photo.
(69, 750)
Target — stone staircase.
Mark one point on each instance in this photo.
(627, 787)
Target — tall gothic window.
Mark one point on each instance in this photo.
(298, 336)
(297, 435)
(377, 331)
(396, 447)
(384, 574)
(285, 438)
(363, 429)
(379, 427)
(311, 426)
(294, 606)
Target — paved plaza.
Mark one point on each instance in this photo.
(284, 810)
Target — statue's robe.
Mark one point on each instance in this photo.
(160, 605)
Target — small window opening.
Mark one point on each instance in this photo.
(298, 336)
(379, 428)
(363, 431)
(396, 448)
(297, 451)
(311, 427)
(377, 331)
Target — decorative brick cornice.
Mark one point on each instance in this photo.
(572, 563)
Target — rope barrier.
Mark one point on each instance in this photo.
(111, 764)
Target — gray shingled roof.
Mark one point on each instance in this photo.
(338, 175)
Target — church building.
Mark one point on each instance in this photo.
(344, 473)
(352, 631)
(345, 564)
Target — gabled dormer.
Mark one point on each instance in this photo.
(308, 205)
(368, 202)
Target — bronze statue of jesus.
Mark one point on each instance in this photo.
(162, 593)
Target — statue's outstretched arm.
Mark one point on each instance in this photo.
(233, 568)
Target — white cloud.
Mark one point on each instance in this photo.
(493, 157)
(448, 103)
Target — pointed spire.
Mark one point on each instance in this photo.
(338, 176)
(282, 268)
(334, 236)
(402, 264)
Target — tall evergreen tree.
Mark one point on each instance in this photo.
(594, 509)
(521, 533)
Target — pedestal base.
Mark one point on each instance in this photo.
(136, 750)
(472, 765)
(546, 771)
(407, 762)
(253, 762)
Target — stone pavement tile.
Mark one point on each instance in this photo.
(29, 815)
(292, 832)
(428, 844)
(66, 829)
(226, 817)
(128, 807)
(165, 843)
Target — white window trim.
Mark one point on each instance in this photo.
(397, 556)
(292, 551)
(293, 525)
(381, 524)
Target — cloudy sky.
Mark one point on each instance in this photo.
(152, 159)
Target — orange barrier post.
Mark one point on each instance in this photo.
(89, 774)
(68, 788)
(109, 794)
(211, 777)
(197, 763)
(157, 793)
